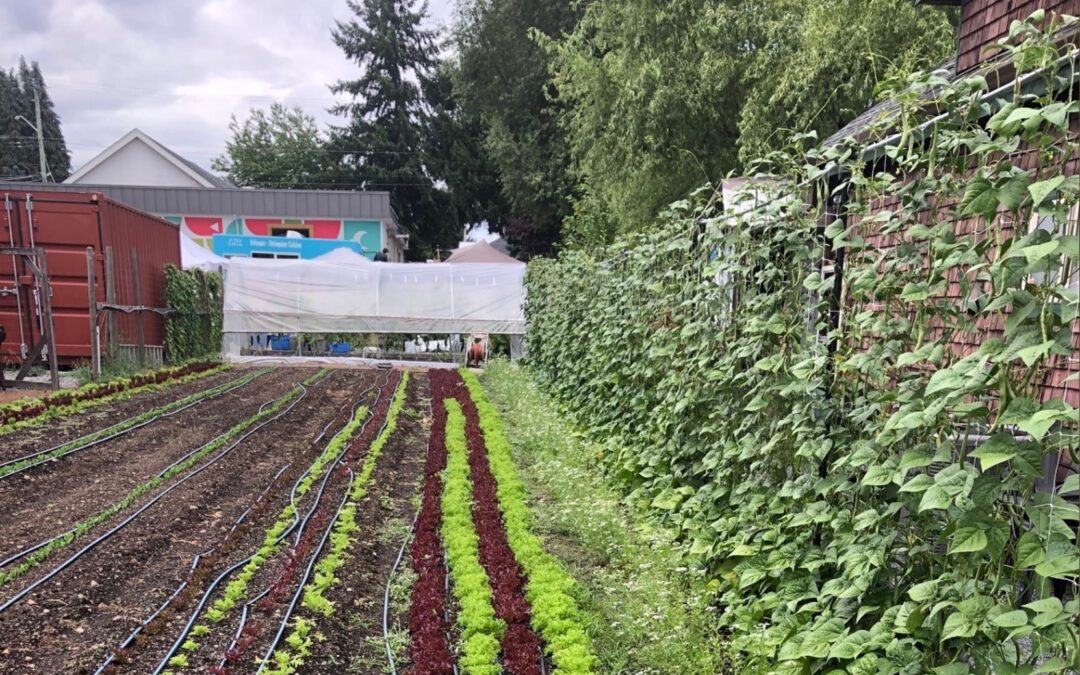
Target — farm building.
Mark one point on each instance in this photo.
(232, 221)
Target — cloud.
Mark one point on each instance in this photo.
(178, 70)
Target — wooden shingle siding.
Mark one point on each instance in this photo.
(1054, 384)
(984, 22)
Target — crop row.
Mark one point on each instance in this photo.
(42, 553)
(342, 538)
(23, 413)
(130, 424)
(429, 625)
(548, 588)
(306, 528)
(505, 585)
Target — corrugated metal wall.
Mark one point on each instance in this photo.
(65, 224)
(157, 243)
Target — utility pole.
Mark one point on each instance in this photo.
(40, 137)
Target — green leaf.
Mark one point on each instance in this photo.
(1070, 485)
(958, 626)
(1000, 447)
(935, 498)
(877, 475)
(968, 540)
(1030, 355)
(1062, 566)
(1036, 252)
(1040, 422)
(918, 483)
(923, 591)
(914, 292)
(980, 198)
(1046, 605)
(1017, 617)
(850, 646)
(1041, 190)
(1012, 193)
(914, 458)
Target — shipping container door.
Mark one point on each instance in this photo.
(15, 314)
(64, 227)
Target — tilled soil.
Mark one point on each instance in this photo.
(69, 427)
(49, 500)
(354, 632)
(72, 622)
(284, 576)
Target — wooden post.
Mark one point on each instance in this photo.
(110, 298)
(46, 304)
(140, 337)
(95, 337)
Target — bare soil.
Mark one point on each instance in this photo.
(50, 499)
(72, 622)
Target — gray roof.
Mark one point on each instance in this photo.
(872, 119)
(216, 181)
(234, 201)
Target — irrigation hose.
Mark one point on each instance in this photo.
(386, 595)
(64, 565)
(311, 564)
(86, 446)
(297, 521)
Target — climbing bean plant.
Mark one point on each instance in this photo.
(868, 476)
(193, 329)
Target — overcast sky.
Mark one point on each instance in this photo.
(177, 69)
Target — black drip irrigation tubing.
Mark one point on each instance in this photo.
(127, 521)
(322, 542)
(118, 434)
(297, 521)
(303, 581)
(386, 596)
(194, 563)
(161, 474)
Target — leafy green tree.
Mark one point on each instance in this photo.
(658, 99)
(380, 146)
(279, 148)
(18, 142)
(503, 77)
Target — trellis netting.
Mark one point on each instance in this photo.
(314, 296)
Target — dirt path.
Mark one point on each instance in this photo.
(71, 623)
(51, 499)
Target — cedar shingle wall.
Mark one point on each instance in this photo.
(967, 342)
(984, 22)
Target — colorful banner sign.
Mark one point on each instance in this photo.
(245, 245)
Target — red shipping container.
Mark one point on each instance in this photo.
(65, 224)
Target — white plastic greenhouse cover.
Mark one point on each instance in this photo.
(313, 296)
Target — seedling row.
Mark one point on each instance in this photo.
(280, 521)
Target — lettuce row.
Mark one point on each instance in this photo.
(481, 631)
(286, 660)
(548, 586)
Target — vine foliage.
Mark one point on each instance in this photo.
(869, 477)
(193, 328)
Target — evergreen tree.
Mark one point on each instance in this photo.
(18, 142)
(457, 157)
(381, 145)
